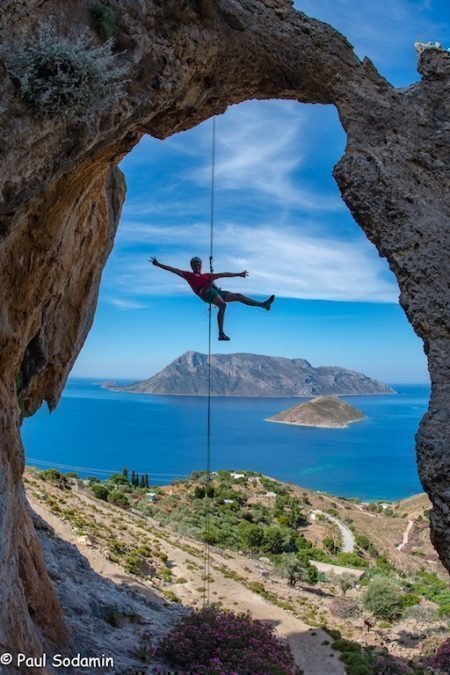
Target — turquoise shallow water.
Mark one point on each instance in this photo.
(165, 436)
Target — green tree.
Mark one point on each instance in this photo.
(125, 473)
(251, 536)
(273, 540)
(199, 492)
(346, 581)
(383, 597)
(118, 479)
(296, 516)
(279, 540)
(297, 568)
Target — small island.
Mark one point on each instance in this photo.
(329, 412)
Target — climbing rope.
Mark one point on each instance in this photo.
(208, 495)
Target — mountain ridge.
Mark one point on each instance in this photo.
(254, 375)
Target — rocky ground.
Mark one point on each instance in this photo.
(123, 580)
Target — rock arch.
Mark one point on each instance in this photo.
(61, 196)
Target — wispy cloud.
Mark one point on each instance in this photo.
(259, 149)
(125, 304)
(262, 153)
(287, 261)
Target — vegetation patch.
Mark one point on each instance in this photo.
(213, 640)
(384, 598)
(361, 660)
(67, 76)
(431, 587)
(55, 477)
(104, 20)
(441, 660)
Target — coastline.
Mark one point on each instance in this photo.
(316, 426)
(387, 437)
(124, 390)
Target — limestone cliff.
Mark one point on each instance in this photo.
(61, 193)
(254, 375)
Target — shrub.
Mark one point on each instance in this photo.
(435, 589)
(355, 664)
(331, 545)
(68, 76)
(165, 574)
(118, 498)
(441, 660)
(344, 608)
(132, 562)
(383, 597)
(117, 547)
(199, 492)
(100, 491)
(104, 20)
(56, 477)
(362, 541)
(213, 640)
(350, 560)
(170, 595)
(410, 599)
(383, 566)
(421, 614)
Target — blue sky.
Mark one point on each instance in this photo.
(278, 214)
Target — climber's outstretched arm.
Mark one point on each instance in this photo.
(221, 275)
(174, 270)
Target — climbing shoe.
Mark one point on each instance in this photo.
(268, 303)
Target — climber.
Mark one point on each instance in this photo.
(203, 286)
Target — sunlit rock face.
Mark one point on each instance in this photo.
(61, 195)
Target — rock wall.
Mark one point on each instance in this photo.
(61, 196)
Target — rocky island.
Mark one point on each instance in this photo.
(324, 411)
(254, 375)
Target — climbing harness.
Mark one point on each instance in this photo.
(208, 491)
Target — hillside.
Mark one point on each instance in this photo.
(324, 411)
(254, 375)
(143, 561)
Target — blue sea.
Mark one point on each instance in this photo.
(95, 432)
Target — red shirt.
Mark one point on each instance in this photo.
(198, 282)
